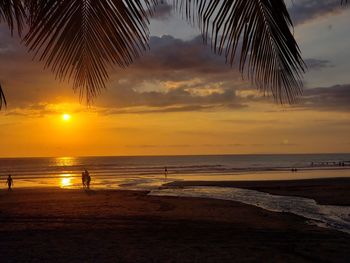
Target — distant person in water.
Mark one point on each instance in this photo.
(165, 172)
(9, 182)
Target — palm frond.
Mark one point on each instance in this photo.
(2, 98)
(12, 12)
(80, 39)
(259, 33)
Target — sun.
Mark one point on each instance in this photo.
(66, 117)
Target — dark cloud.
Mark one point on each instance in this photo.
(302, 11)
(169, 53)
(175, 100)
(163, 11)
(228, 145)
(144, 110)
(335, 98)
(317, 64)
(159, 146)
(255, 122)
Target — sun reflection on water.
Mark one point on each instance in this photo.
(65, 161)
(66, 180)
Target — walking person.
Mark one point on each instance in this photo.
(83, 179)
(88, 180)
(9, 182)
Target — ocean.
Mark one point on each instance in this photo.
(148, 171)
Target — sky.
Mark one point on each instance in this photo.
(180, 99)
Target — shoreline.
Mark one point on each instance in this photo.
(325, 191)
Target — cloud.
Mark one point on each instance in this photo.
(228, 145)
(174, 76)
(335, 98)
(169, 53)
(163, 11)
(317, 64)
(128, 100)
(303, 11)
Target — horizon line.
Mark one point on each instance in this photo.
(172, 155)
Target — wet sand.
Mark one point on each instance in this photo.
(56, 225)
(330, 191)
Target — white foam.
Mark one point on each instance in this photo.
(335, 217)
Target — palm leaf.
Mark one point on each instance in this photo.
(258, 32)
(80, 39)
(12, 12)
(2, 98)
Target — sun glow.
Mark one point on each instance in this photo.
(66, 181)
(66, 117)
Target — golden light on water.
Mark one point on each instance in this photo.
(65, 161)
(66, 180)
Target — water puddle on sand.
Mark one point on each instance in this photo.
(334, 217)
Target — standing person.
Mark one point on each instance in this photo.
(88, 180)
(83, 179)
(9, 182)
(165, 172)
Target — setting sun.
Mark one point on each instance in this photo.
(66, 117)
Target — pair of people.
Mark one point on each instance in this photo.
(86, 179)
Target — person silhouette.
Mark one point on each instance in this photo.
(88, 180)
(9, 182)
(165, 172)
(83, 179)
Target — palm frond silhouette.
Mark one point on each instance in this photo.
(80, 40)
(12, 12)
(2, 98)
(259, 31)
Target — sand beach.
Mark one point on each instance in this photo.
(61, 225)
